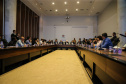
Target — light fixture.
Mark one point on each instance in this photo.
(53, 3)
(56, 10)
(66, 9)
(78, 2)
(76, 9)
(40, 8)
(65, 2)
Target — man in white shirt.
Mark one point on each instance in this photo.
(20, 42)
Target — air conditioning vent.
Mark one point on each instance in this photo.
(98, 13)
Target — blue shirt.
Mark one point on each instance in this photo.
(106, 43)
(20, 43)
(28, 42)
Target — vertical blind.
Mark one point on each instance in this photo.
(27, 23)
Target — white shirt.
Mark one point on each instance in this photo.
(99, 43)
(124, 45)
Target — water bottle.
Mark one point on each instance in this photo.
(95, 46)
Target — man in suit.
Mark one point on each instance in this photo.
(106, 41)
(66, 43)
(114, 36)
(56, 42)
(13, 35)
(61, 42)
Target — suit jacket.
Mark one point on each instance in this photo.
(113, 38)
(66, 43)
(61, 43)
(13, 36)
(55, 43)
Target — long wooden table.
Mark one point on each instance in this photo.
(108, 67)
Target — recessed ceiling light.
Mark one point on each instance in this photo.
(40, 8)
(56, 10)
(76, 9)
(66, 9)
(53, 3)
(78, 2)
(65, 2)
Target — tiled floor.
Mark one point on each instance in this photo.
(58, 67)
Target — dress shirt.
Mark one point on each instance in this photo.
(20, 43)
(99, 43)
(28, 42)
(106, 43)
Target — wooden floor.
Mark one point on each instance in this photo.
(58, 67)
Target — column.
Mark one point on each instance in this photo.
(121, 15)
(10, 18)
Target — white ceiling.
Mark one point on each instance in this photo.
(85, 7)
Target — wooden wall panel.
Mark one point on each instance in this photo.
(27, 21)
(38, 27)
(18, 21)
(1, 17)
(33, 25)
(22, 20)
(30, 23)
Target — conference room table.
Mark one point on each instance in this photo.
(107, 66)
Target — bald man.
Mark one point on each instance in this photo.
(20, 42)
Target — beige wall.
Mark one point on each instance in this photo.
(107, 20)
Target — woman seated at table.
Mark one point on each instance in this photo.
(99, 41)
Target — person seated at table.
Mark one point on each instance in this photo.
(114, 37)
(106, 41)
(79, 42)
(34, 41)
(66, 43)
(49, 42)
(99, 41)
(56, 42)
(83, 41)
(28, 41)
(37, 41)
(12, 42)
(13, 35)
(20, 42)
(44, 42)
(18, 36)
(3, 42)
(61, 42)
(41, 41)
(74, 41)
(95, 40)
